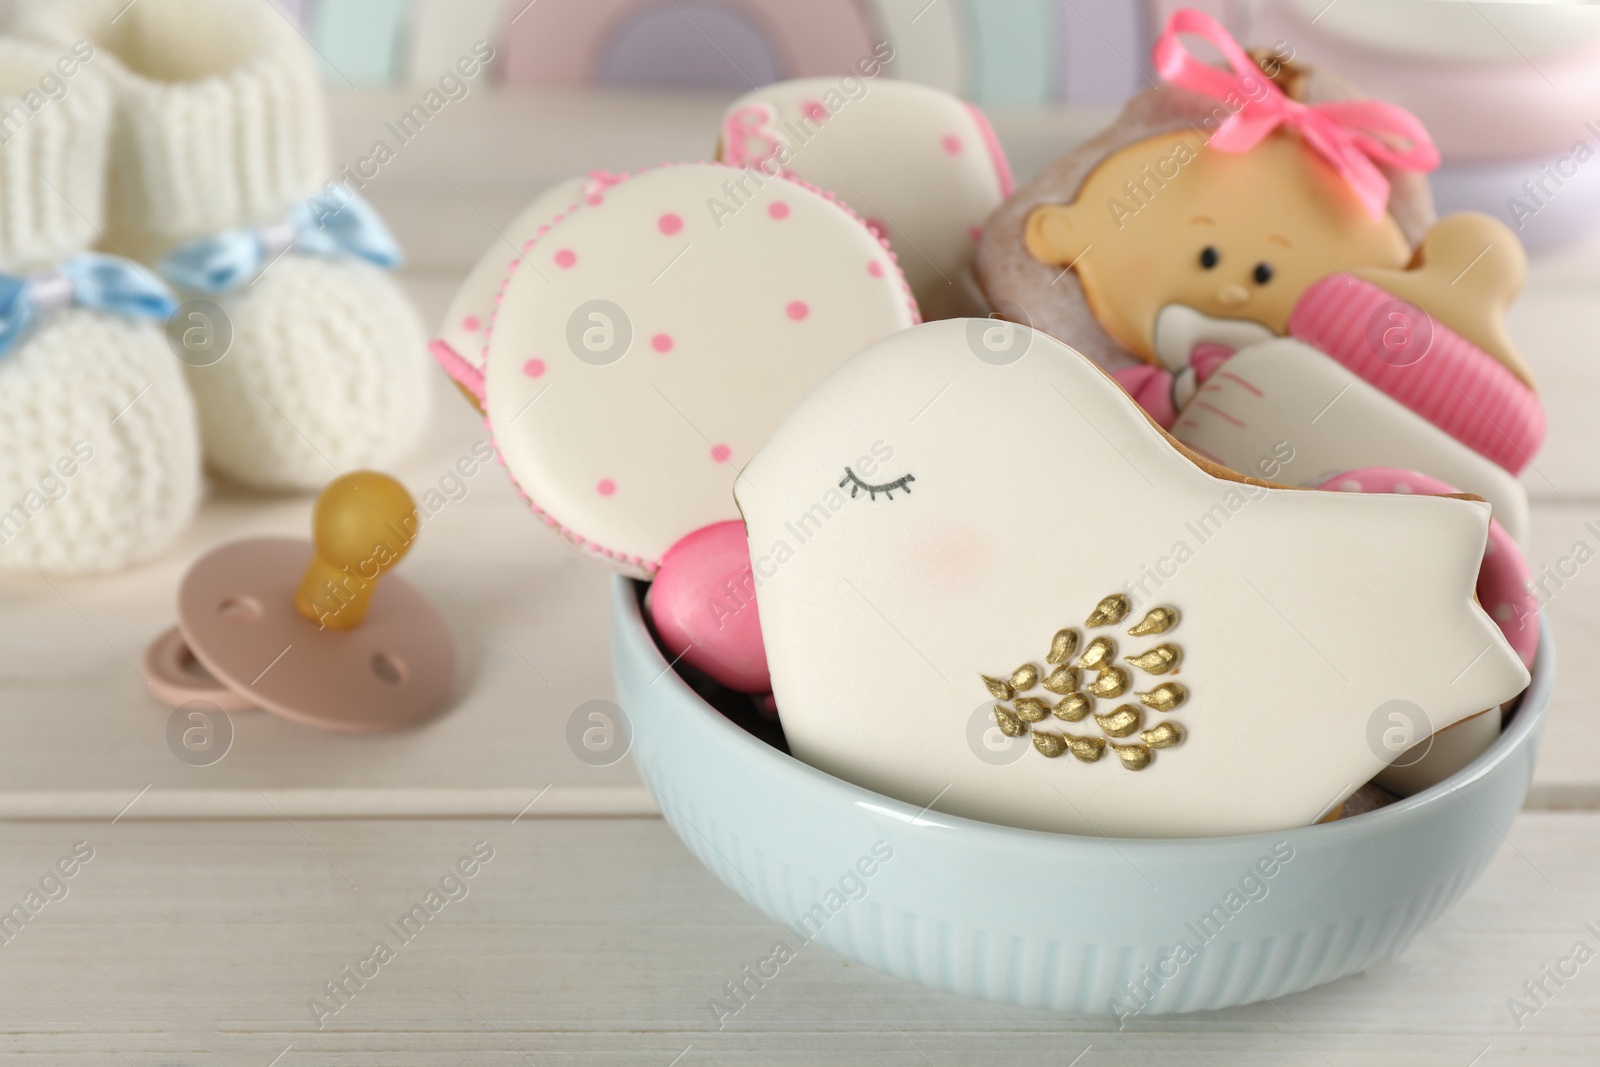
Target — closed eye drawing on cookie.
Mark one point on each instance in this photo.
(887, 488)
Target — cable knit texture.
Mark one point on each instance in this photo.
(281, 410)
(221, 120)
(221, 124)
(99, 452)
(53, 135)
(102, 398)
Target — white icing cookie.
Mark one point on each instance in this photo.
(463, 338)
(988, 506)
(1286, 393)
(644, 347)
(921, 166)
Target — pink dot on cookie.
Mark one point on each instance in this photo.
(534, 368)
(797, 310)
(661, 342)
(606, 487)
(952, 144)
(669, 223)
(778, 209)
(565, 258)
(875, 269)
(470, 323)
(720, 453)
(703, 605)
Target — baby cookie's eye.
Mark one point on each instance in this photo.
(1262, 274)
(856, 485)
(1209, 257)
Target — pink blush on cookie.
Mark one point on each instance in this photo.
(676, 325)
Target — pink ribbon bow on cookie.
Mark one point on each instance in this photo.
(1352, 135)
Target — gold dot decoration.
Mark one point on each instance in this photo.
(998, 689)
(1009, 724)
(1073, 707)
(1087, 749)
(1030, 709)
(1050, 745)
(1122, 722)
(1062, 646)
(1164, 697)
(1164, 735)
(1155, 621)
(1134, 757)
(1102, 652)
(1110, 683)
(1097, 675)
(1062, 680)
(1158, 660)
(1110, 611)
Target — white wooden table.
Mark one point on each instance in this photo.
(220, 899)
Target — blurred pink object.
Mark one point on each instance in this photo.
(703, 605)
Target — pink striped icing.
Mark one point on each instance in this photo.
(1456, 386)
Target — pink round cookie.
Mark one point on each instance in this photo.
(923, 167)
(1504, 583)
(703, 605)
(646, 346)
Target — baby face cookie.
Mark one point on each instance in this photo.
(645, 346)
(921, 166)
(1174, 651)
(1230, 236)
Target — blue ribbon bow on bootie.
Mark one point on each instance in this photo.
(330, 226)
(92, 281)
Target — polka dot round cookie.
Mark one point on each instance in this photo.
(644, 347)
(461, 344)
(923, 167)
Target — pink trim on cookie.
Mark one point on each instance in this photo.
(460, 371)
(1455, 385)
(637, 565)
(997, 154)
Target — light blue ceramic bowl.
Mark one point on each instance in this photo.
(1078, 924)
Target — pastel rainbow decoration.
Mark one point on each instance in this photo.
(360, 42)
(1014, 50)
(569, 43)
(1102, 50)
(441, 32)
(1353, 136)
(648, 341)
(932, 42)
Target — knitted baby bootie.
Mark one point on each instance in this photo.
(219, 177)
(99, 452)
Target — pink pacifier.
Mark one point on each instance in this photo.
(312, 631)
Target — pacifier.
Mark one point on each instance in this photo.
(315, 631)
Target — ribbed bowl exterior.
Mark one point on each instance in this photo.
(1072, 924)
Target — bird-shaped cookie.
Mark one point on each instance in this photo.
(1183, 651)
